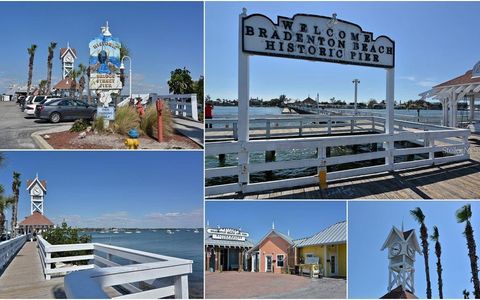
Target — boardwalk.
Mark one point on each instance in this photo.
(189, 128)
(457, 180)
(24, 278)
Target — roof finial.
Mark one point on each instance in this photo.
(208, 223)
(36, 176)
(68, 45)
(106, 30)
(402, 225)
(288, 232)
(273, 224)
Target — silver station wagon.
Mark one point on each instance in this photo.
(65, 109)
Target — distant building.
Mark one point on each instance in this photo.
(309, 102)
(36, 222)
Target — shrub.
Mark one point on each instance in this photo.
(67, 235)
(79, 125)
(148, 123)
(98, 124)
(126, 118)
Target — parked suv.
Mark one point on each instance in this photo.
(65, 109)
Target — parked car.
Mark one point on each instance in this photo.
(25, 102)
(65, 109)
(30, 107)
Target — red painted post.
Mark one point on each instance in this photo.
(159, 105)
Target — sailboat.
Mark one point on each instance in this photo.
(169, 231)
(196, 230)
(138, 231)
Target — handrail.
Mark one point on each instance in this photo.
(430, 139)
(139, 274)
(9, 248)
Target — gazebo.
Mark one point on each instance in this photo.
(36, 222)
(465, 87)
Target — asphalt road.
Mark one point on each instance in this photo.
(16, 129)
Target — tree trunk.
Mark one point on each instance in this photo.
(438, 252)
(49, 73)
(472, 254)
(30, 74)
(14, 215)
(424, 237)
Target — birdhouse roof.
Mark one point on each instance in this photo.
(408, 236)
(42, 183)
(64, 51)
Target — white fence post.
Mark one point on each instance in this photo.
(194, 108)
(390, 117)
(181, 287)
(48, 266)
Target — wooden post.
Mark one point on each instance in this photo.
(181, 287)
(222, 159)
(389, 125)
(243, 105)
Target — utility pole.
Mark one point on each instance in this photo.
(356, 82)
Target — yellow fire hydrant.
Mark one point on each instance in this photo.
(132, 142)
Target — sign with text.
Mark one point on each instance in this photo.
(227, 234)
(105, 82)
(108, 113)
(318, 38)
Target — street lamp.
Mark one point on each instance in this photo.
(356, 82)
(122, 67)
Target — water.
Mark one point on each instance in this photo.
(182, 244)
(232, 111)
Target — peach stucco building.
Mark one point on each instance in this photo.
(271, 253)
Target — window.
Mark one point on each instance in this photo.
(280, 259)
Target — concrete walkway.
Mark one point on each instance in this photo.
(191, 129)
(24, 278)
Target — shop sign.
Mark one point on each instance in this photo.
(108, 113)
(227, 234)
(318, 38)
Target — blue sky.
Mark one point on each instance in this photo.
(113, 189)
(369, 226)
(256, 217)
(433, 40)
(161, 36)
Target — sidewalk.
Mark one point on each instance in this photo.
(191, 129)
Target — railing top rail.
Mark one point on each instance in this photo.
(105, 248)
(12, 240)
(63, 247)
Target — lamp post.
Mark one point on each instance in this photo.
(122, 67)
(356, 82)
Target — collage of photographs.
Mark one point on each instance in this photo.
(239, 149)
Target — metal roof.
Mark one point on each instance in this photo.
(226, 243)
(335, 234)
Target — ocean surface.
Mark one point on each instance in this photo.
(183, 243)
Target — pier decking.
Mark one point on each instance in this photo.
(24, 278)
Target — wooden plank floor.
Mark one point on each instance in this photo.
(458, 180)
(24, 278)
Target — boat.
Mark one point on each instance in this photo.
(128, 232)
(154, 230)
(169, 231)
(115, 230)
(196, 230)
(177, 230)
(138, 231)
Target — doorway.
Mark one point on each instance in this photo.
(268, 263)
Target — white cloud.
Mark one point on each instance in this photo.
(409, 78)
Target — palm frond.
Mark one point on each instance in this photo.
(435, 235)
(464, 213)
(418, 215)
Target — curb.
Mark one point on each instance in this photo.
(41, 142)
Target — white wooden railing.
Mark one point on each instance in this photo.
(431, 139)
(293, 126)
(184, 105)
(139, 274)
(8, 249)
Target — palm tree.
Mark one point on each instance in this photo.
(16, 183)
(82, 70)
(5, 202)
(466, 294)
(73, 86)
(49, 65)
(438, 252)
(42, 86)
(463, 215)
(418, 215)
(31, 52)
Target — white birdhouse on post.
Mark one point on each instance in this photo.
(402, 247)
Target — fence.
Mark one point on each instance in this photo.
(184, 105)
(8, 249)
(429, 140)
(137, 273)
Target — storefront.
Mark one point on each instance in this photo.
(326, 251)
(226, 249)
(272, 253)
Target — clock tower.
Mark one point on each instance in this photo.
(67, 56)
(402, 247)
(37, 189)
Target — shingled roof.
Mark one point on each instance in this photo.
(463, 79)
(36, 219)
(63, 51)
(65, 84)
(399, 293)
